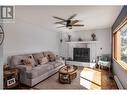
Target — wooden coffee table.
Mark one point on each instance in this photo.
(67, 73)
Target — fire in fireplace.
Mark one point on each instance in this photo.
(81, 54)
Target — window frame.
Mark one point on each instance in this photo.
(115, 46)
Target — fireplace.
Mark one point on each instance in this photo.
(81, 54)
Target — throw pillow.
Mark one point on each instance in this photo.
(50, 56)
(28, 63)
(44, 60)
(38, 57)
(25, 62)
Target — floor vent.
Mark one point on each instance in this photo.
(118, 82)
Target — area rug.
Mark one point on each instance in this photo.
(53, 83)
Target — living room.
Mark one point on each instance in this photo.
(34, 30)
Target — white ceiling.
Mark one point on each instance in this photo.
(93, 17)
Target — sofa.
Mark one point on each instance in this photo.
(36, 67)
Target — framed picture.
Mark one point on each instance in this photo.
(11, 82)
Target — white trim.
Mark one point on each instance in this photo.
(118, 82)
(81, 42)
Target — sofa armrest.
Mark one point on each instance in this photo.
(60, 61)
(59, 57)
(22, 67)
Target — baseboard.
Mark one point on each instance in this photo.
(120, 86)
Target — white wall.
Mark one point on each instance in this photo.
(103, 41)
(1, 66)
(120, 73)
(27, 34)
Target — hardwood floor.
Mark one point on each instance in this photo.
(97, 79)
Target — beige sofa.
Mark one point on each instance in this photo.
(37, 72)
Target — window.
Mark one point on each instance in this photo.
(123, 35)
(120, 45)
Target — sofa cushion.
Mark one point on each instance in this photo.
(39, 70)
(55, 64)
(38, 57)
(16, 60)
(44, 68)
(44, 60)
(50, 55)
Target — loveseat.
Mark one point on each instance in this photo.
(36, 67)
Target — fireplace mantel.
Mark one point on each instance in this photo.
(81, 42)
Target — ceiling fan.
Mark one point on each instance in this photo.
(69, 23)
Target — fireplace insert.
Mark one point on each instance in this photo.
(81, 54)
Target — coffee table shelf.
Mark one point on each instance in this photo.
(67, 73)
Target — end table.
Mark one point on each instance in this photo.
(11, 78)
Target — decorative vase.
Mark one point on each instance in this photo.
(80, 39)
(69, 38)
(61, 40)
(93, 37)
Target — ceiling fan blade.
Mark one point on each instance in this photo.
(74, 21)
(59, 18)
(60, 26)
(72, 16)
(59, 22)
(78, 25)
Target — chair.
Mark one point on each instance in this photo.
(105, 60)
